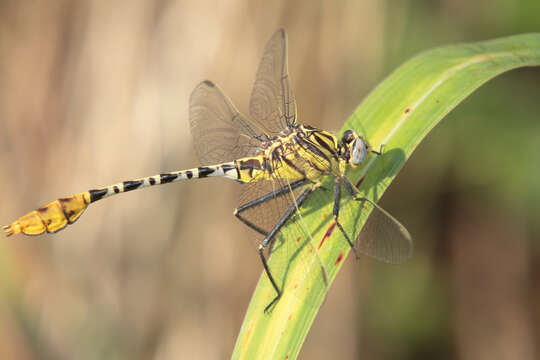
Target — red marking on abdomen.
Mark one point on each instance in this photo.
(339, 258)
(360, 181)
(327, 234)
(298, 239)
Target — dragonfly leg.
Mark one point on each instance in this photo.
(351, 190)
(260, 200)
(337, 198)
(269, 239)
(354, 195)
(378, 152)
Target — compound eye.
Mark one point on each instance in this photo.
(359, 151)
(347, 137)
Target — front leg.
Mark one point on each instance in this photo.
(337, 199)
(378, 152)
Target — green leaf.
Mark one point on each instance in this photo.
(398, 113)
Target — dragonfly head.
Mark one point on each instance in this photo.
(356, 147)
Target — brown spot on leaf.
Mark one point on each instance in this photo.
(339, 258)
(327, 234)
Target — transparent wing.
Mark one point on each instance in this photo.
(383, 237)
(272, 102)
(220, 132)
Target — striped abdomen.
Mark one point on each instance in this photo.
(298, 155)
(60, 213)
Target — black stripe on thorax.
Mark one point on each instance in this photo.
(97, 194)
(308, 145)
(324, 144)
(292, 165)
(328, 136)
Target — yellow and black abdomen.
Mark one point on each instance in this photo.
(52, 217)
(60, 213)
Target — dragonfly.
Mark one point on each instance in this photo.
(280, 162)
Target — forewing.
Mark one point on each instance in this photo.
(272, 102)
(220, 132)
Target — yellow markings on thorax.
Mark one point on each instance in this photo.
(301, 154)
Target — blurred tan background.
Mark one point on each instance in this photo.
(96, 92)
